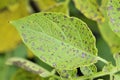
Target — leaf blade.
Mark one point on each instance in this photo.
(55, 42)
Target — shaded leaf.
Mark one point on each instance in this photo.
(5, 71)
(9, 37)
(19, 51)
(61, 38)
(90, 9)
(29, 66)
(30, 54)
(3, 68)
(25, 75)
(88, 70)
(114, 15)
(104, 52)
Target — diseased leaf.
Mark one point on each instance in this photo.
(29, 66)
(22, 74)
(9, 37)
(58, 40)
(88, 70)
(90, 9)
(114, 15)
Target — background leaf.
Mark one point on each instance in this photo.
(29, 66)
(6, 3)
(110, 37)
(61, 40)
(25, 75)
(9, 37)
(90, 9)
(6, 71)
(114, 15)
(45, 4)
(60, 7)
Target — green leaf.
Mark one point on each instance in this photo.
(114, 15)
(88, 70)
(90, 9)
(29, 66)
(63, 42)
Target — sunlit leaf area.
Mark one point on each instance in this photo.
(59, 39)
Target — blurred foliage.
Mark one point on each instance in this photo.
(9, 37)
(92, 12)
(25, 75)
(6, 3)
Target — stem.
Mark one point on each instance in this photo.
(55, 76)
(103, 60)
(98, 74)
(111, 76)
